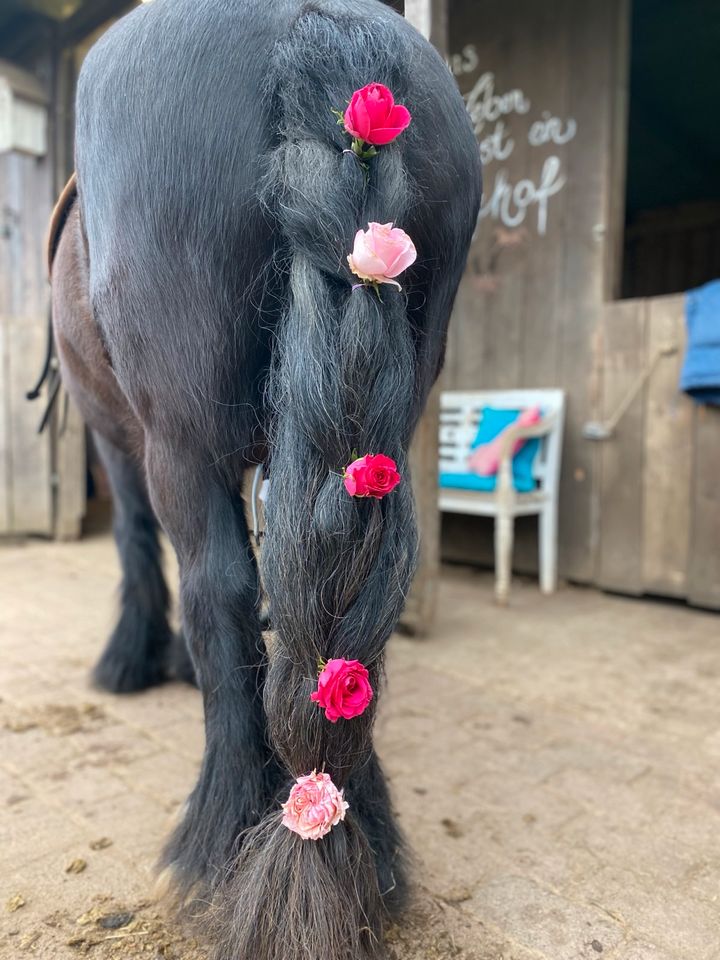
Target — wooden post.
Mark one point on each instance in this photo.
(25, 191)
(430, 18)
(68, 429)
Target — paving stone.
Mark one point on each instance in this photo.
(639, 951)
(554, 766)
(544, 921)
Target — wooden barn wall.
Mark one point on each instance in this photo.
(659, 493)
(25, 456)
(545, 83)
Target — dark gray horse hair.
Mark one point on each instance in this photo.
(217, 204)
(351, 371)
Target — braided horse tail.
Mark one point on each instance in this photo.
(351, 372)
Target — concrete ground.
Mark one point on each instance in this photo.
(556, 766)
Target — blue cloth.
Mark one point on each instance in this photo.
(700, 375)
(492, 422)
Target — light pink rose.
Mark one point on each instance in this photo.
(381, 252)
(343, 689)
(314, 807)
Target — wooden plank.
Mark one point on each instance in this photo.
(420, 14)
(668, 444)
(617, 154)
(5, 278)
(506, 315)
(504, 249)
(475, 332)
(621, 487)
(68, 444)
(25, 468)
(704, 560)
(542, 281)
(530, 307)
(420, 609)
(430, 17)
(595, 28)
(30, 195)
(30, 466)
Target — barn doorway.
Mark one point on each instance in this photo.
(672, 201)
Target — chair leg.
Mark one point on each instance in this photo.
(548, 543)
(504, 524)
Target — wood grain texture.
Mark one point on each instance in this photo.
(430, 17)
(5, 408)
(667, 467)
(704, 558)
(26, 461)
(622, 454)
(531, 304)
(421, 604)
(68, 437)
(594, 31)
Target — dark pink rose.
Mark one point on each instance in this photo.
(374, 117)
(373, 475)
(343, 689)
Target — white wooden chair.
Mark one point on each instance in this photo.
(460, 413)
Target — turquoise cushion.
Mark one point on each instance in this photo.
(493, 422)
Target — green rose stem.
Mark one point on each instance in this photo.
(358, 146)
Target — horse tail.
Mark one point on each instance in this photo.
(350, 374)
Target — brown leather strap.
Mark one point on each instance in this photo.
(58, 218)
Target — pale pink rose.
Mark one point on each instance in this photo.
(381, 252)
(314, 807)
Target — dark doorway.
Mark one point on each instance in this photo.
(672, 228)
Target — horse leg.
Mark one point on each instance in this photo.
(135, 655)
(179, 662)
(204, 517)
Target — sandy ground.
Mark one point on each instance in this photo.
(556, 766)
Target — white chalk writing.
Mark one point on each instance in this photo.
(550, 130)
(486, 106)
(492, 112)
(510, 203)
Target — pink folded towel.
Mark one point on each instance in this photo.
(485, 459)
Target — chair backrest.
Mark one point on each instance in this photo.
(460, 413)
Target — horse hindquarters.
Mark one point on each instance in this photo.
(201, 510)
(136, 653)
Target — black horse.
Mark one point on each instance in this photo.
(206, 321)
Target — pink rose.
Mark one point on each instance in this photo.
(314, 807)
(373, 115)
(371, 476)
(343, 689)
(381, 252)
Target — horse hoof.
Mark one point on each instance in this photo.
(119, 674)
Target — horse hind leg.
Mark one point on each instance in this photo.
(139, 646)
(204, 516)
